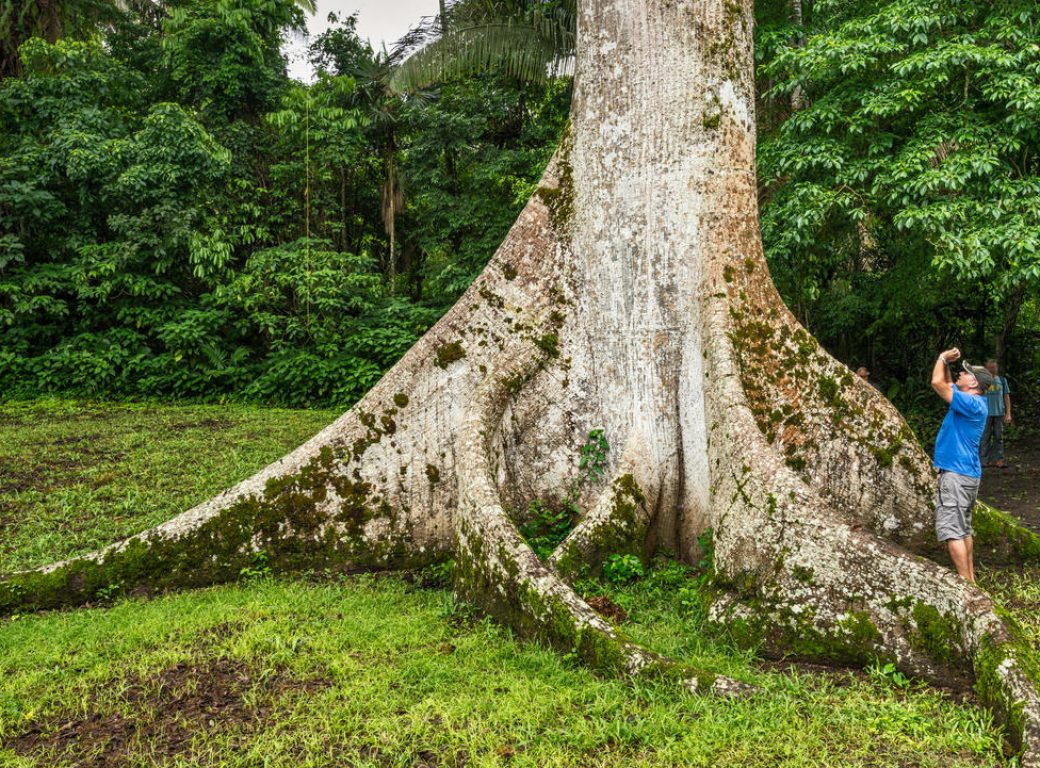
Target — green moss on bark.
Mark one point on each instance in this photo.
(560, 199)
(549, 344)
(998, 533)
(622, 533)
(854, 640)
(937, 636)
(993, 658)
(288, 522)
(448, 353)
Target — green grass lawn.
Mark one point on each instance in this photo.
(371, 671)
(77, 475)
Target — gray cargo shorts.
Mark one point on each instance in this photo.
(954, 501)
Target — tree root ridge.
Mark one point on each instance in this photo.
(498, 571)
(373, 490)
(618, 521)
(820, 497)
(999, 538)
(839, 435)
(314, 520)
(821, 588)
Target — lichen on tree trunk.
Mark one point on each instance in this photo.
(631, 296)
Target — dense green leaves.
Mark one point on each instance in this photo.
(530, 40)
(901, 179)
(179, 218)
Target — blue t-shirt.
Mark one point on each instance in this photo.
(957, 446)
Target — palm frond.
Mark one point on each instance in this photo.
(528, 50)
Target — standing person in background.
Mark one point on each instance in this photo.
(998, 401)
(957, 455)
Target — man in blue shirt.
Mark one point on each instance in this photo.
(957, 455)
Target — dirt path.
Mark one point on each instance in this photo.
(1016, 489)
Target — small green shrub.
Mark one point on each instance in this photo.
(621, 569)
(547, 526)
(259, 568)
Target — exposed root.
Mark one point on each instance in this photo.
(316, 519)
(819, 490)
(498, 571)
(618, 521)
(813, 584)
(374, 490)
(845, 594)
(999, 538)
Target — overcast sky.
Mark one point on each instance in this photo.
(379, 21)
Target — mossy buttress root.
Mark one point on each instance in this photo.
(617, 524)
(926, 621)
(999, 538)
(497, 571)
(314, 520)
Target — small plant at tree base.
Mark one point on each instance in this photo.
(260, 568)
(110, 593)
(706, 564)
(888, 674)
(621, 569)
(456, 611)
(546, 526)
(593, 461)
(438, 575)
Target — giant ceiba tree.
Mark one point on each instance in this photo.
(632, 296)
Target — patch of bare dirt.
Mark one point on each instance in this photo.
(163, 716)
(1016, 488)
(53, 472)
(208, 423)
(607, 608)
(16, 481)
(68, 440)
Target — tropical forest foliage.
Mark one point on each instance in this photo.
(179, 218)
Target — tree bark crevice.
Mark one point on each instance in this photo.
(498, 571)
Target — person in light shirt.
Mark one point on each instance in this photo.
(998, 399)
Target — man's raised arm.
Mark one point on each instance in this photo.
(941, 380)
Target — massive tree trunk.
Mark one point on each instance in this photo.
(632, 296)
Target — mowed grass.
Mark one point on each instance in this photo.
(77, 475)
(377, 671)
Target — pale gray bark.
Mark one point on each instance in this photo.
(631, 295)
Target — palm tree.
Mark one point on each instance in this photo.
(48, 19)
(531, 40)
